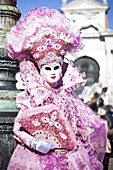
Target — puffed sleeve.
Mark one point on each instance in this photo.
(23, 103)
(96, 126)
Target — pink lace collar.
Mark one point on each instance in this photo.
(32, 79)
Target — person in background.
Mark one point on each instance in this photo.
(110, 116)
(102, 112)
(92, 94)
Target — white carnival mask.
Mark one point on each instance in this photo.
(51, 72)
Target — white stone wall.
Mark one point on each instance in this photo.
(101, 52)
(89, 15)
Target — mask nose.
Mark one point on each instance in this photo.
(52, 71)
(53, 74)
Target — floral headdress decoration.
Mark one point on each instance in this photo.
(45, 35)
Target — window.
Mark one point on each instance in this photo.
(90, 67)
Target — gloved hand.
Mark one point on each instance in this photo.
(42, 145)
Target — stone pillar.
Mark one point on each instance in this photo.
(9, 15)
(64, 2)
(105, 2)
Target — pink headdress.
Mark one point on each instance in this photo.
(48, 49)
(43, 32)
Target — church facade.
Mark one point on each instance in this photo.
(96, 58)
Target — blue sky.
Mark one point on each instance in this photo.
(25, 5)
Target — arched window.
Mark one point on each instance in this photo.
(90, 67)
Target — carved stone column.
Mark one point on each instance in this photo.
(9, 15)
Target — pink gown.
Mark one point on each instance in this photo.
(82, 134)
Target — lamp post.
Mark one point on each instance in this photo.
(9, 15)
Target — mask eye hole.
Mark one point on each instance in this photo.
(56, 67)
(47, 68)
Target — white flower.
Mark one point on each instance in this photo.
(52, 121)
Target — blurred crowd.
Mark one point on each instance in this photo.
(94, 98)
(106, 112)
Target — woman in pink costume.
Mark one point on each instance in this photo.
(55, 130)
